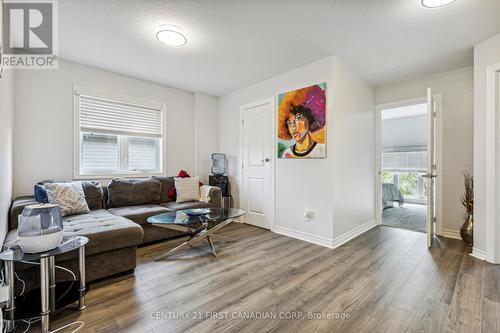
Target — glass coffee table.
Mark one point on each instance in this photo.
(200, 223)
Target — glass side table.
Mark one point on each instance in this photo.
(51, 296)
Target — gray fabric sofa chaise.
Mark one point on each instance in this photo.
(116, 224)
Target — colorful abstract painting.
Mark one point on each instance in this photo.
(302, 123)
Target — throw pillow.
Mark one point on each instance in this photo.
(69, 196)
(41, 194)
(93, 191)
(188, 189)
(172, 192)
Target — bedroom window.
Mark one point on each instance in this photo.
(117, 135)
(410, 184)
(406, 170)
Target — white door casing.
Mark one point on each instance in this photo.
(431, 166)
(256, 163)
(492, 211)
(438, 149)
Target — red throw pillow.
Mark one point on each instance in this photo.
(183, 174)
(172, 194)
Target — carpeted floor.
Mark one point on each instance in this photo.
(408, 216)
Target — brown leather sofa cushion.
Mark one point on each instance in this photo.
(166, 184)
(94, 195)
(138, 214)
(172, 205)
(133, 192)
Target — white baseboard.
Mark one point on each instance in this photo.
(449, 233)
(323, 241)
(342, 239)
(479, 254)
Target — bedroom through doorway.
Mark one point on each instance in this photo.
(403, 173)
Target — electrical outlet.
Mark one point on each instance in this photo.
(308, 215)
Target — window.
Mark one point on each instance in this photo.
(412, 185)
(404, 160)
(406, 169)
(117, 135)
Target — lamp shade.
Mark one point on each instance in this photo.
(40, 228)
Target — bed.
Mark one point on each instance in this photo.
(391, 194)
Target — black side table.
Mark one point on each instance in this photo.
(51, 296)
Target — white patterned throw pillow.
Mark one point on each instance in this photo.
(69, 196)
(188, 189)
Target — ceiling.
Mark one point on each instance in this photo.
(234, 43)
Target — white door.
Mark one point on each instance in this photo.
(256, 196)
(431, 166)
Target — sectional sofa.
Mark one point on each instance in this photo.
(116, 224)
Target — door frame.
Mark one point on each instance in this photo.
(272, 152)
(438, 98)
(492, 226)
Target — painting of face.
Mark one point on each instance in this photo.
(302, 123)
(298, 126)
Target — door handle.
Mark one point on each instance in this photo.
(429, 176)
(265, 160)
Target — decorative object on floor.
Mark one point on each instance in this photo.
(467, 229)
(40, 228)
(69, 196)
(302, 123)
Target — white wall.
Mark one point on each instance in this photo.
(43, 121)
(457, 90)
(206, 133)
(407, 131)
(6, 133)
(353, 154)
(316, 184)
(486, 54)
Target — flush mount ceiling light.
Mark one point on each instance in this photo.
(436, 3)
(171, 35)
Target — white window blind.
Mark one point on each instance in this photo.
(118, 135)
(142, 154)
(100, 153)
(100, 115)
(405, 161)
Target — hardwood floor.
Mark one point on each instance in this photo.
(386, 280)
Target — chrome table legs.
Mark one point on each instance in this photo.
(197, 235)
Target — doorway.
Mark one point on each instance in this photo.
(257, 163)
(404, 166)
(408, 162)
